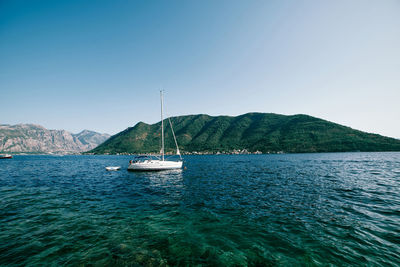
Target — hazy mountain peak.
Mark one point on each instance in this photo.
(37, 139)
(85, 131)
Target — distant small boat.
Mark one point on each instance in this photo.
(6, 156)
(110, 168)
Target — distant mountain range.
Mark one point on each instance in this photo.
(265, 132)
(32, 138)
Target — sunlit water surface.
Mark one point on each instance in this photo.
(268, 210)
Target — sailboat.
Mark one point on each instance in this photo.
(148, 163)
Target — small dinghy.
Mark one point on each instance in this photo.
(110, 168)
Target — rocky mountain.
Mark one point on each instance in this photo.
(91, 138)
(265, 132)
(33, 138)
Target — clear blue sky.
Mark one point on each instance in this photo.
(99, 65)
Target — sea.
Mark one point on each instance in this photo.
(323, 209)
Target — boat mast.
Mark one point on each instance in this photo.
(162, 126)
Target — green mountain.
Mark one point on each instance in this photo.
(265, 132)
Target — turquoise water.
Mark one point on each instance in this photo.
(232, 210)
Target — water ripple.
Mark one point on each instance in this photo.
(254, 210)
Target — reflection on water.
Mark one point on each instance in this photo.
(302, 209)
(167, 178)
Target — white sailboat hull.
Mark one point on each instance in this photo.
(155, 165)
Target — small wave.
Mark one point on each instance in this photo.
(297, 211)
(375, 172)
(397, 170)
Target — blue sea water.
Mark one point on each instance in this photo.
(339, 209)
